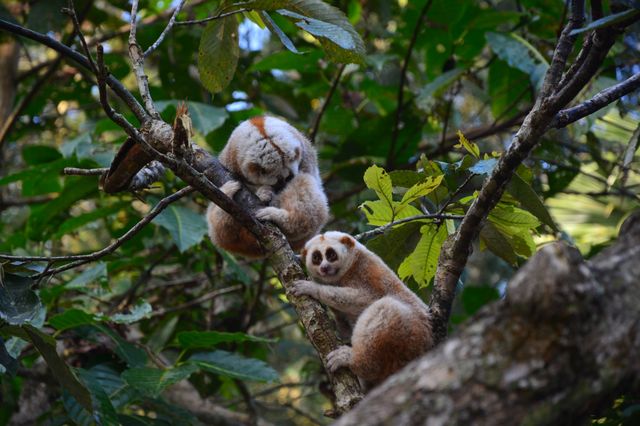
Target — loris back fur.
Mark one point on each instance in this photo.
(280, 166)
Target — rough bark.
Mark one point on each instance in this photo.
(563, 342)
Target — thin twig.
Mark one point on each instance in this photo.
(71, 11)
(382, 229)
(74, 171)
(325, 104)
(86, 258)
(137, 63)
(202, 299)
(403, 77)
(211, 18)
(164, 33)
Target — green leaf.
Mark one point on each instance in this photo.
(406, 178)
(185, 226)
(218, 53)
(141, 310)
(96, 273)
(59, 368)
(607, 21)
(71, 318)
(378, 179)
(129, 353)
(8, 364)
(206, 339)
(422, 263)
(513, 217)
(471, 147)
(428, 94)
(337, 36)
(530, 200)
(421, 189)
(235, 366)
(393, 245)
(18, 303)
(152, 381)
(275, 29)
(204, 117)
(519, 54)
(76, 222)
(494, 240)
(289, 61)
(379, 213)
(40, 154)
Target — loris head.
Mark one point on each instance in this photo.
(328, 256)
(264, 151)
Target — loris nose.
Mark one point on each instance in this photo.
(324, 269)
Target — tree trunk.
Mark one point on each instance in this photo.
(563, 342)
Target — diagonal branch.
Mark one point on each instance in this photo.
(164, 33)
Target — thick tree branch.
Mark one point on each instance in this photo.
(599, 101)
(560, 344)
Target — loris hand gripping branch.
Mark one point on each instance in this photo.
(280, 166)
(390, 324)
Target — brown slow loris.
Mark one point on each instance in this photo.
(390, 325)
(280, 166)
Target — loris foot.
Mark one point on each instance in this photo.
(265, 193)
(339, 358)
(230, 187)
(273, 214)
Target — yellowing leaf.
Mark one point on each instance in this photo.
(471, 147)
(380, 213)
(421, 189)
(378, 179)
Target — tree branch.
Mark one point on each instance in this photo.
(560, 343)
(164, 33)
(81, 259)
(325, 104)
(391, 156)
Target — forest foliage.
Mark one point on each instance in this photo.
(410, 105)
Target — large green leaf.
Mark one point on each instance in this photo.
(207, 339)
(394, 244)
(233, 365)
(71, 318)
(218, 53)
(152, 381)
(530, 200)
(494, 240)
(422, 263)
(607, 21)
(185, 226)
(204, 117)
(19, 304)
(96, 273)
(428, 94)
(59, 368)
(519, 54)
(337, 36)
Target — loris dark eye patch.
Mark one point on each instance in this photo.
(331, 254)
(316, 257)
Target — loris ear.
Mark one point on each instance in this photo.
(348, 241)
(304, 254)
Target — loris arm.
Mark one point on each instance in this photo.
(344, 299)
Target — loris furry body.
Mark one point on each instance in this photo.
(390, 324)
(280, 165)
